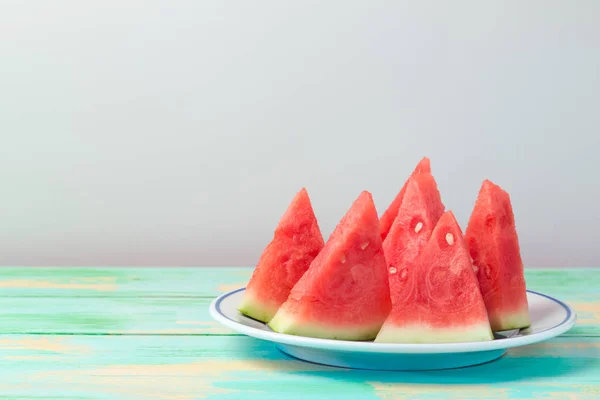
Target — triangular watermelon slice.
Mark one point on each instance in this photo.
(345, 293)
(389, 215)
(419, 213)
(442, 301)
(296, 242)
(494, 246)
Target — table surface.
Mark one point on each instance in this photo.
(145, 333)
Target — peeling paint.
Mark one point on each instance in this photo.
(231, 286)
(35, 284)
(52, 344)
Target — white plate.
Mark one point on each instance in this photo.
(549, 318)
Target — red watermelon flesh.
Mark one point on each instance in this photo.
(442, 300)
(494, 246)
(387, 219)
(345, 293)
(295, 244)
(420, 211)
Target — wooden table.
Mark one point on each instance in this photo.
(145, 333)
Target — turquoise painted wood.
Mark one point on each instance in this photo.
(137, 333)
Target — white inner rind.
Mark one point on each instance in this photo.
(422, 333)
(256, 309)
(285, 323)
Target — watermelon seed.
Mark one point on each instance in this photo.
(403, 274)
(418, 227)
(449, 239)
(364, 245)
(343, 259)
(392, 270)
(475, 268)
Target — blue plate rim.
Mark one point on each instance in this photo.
(371, 347)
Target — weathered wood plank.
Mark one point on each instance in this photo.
(163, 367)
(568, 283)
(128, 315)
(119, 282)
(156, 315)
(204, 362)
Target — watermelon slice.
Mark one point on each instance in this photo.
(296, 242)
(442, 302)
(494, 246)
(345, 293)
(420, 211)
(389, 215)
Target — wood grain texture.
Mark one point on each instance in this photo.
(166, 367)
(119, 281)
(136, 333)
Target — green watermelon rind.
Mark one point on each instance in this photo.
(256, 309)
(284, 323)
(511, 320)
(423, 334)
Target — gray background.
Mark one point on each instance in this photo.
(176, 133)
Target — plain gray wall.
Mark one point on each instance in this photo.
(176, 132)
